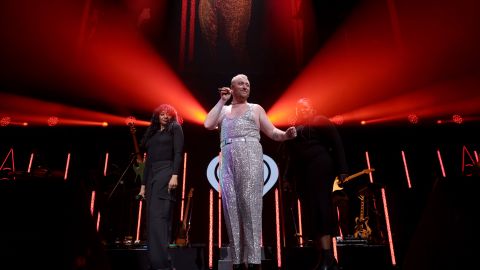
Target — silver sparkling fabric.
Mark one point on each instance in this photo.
(242, 184)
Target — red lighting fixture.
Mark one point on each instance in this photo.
(337, 119)
(5, 121)
(52, 121)
(130, 121)
(457, 119)
(413, 118)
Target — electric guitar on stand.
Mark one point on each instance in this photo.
(139, 164)
(184, 229)
(362, 230)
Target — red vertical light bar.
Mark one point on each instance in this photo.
(368, 166)
(300, 225)
(13, 161)
(5, 160)
(334, 245)
(219, 205)
(277, 227)
(30, 163)
(183, 184)
(210, 231)
(98, 221)
(476, 155)
(219, 218)
(66, 167)
(13, 164)
(139, 221)
(105, 167)
(441, 163)
(92, 202)
(406, 169)
(183, 33)
(389, 231)
(338, 218)
(465, 151)
(191, 41)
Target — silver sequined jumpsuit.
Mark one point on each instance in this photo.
(242, 186)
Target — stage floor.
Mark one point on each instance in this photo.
(374, 257)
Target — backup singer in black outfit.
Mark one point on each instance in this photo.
(163, 141)
(315, 157)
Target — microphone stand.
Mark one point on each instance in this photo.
(297, 234)
(132, 159)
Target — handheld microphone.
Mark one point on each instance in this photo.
(139, 197)
(224, 90)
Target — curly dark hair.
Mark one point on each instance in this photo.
(155, 122)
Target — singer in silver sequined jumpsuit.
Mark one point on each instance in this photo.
(242, 167)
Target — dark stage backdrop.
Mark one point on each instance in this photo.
(383, 143)
(271, 69)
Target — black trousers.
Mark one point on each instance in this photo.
(159, 232)
(159, 219)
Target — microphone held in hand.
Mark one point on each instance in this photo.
(224, 90)
(139, 197)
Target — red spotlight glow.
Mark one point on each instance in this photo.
(354, 77)
(36, 111)
(363, 122)
(52, 121)
(104, 124)
(113, 64)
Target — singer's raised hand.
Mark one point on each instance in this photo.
(225, 93)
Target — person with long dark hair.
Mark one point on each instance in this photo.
(314, 158)
(163, 141)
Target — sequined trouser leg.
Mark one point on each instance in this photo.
(242, 189)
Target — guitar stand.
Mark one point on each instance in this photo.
(120, 179)
(187, 233)
(378, 230)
